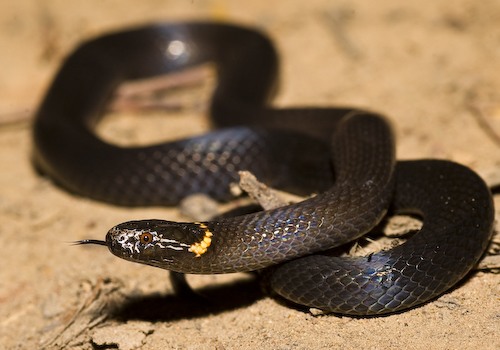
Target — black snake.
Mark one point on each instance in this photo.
(345, 154)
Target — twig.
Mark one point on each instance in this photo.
(268, 198)
(148, 94)
(16, 117)
(478, 113)
(89, 314)
(336, 22)
(188, 77)
(491, 262)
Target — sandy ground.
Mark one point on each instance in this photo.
(431, 67)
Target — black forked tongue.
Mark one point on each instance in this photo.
(90, 241)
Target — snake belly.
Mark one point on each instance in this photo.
(344, 154)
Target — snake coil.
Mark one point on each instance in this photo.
(346, 155)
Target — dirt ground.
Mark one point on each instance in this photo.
(431, 67)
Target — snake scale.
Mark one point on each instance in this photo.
(346, 155)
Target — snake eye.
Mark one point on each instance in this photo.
(146, 238)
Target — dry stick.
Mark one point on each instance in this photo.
(336, 22)
(90, 313)
(186, 77)
(489, 263)
(16, 118)
(491, 260)
(478, 114)
(268, 198)
(146, 94)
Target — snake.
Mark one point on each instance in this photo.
(345, 155)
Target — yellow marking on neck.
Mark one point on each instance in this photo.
(201, 247)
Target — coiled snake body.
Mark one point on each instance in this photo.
(345, 154)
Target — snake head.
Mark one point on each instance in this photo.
(159, 243)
